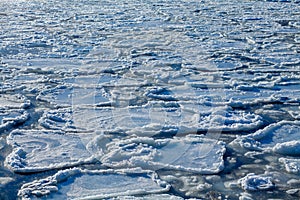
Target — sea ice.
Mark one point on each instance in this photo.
(59, 96)
(194, 153)
(60, 119)
(15, 101)
(292, 165)
(256, 182)
(281, 138)
(41, 150)
(94, 184)
(149, 197)
(12, 117)
(5, 180)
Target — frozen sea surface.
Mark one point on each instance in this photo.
(149, 99)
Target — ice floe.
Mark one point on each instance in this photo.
(41, 150)
(60, 119)
(5, 180)
(194, 153)
(12, 117)
(94, 184)
(254, 182)
(59, 96)
(15, 101)
(281, 138)
(292, 165)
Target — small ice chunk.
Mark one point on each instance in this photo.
(292, 165)
(227, 120)
(150, 197)
(94, 184)
(288, 148)
(254, 182)
(2, 143)
(60, 96)
(40, 150)
(60, 119)
(5, 180)
(281, 138)
(193, 153)
(16, 101)
(12, 117)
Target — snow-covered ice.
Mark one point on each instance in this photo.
(12, 117)
(41, 150)
(256, 182)
(281, 138)
(94, 184)
(194, 153)
(292, 165)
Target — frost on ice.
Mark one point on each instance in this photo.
(38, 150)
(94, 184)
(193, 153)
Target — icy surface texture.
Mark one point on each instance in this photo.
(96, 184)
(38, 150)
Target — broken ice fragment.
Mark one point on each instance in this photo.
(94, 184)
(16, 101)
(41, 150)
(60, 119)
(11, 118)
(281, 138)
(60, 96)
(291, 165)
(190, 153)
(256, 182)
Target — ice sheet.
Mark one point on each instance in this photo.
(87, 184)
(41, 150)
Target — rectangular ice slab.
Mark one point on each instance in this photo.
(40, 150)
(97, 184)
(191, 153)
